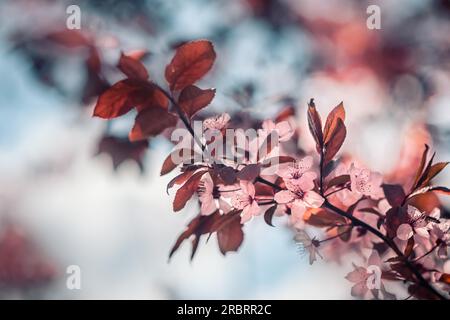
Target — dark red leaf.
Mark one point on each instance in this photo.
(180, 179)
(182, 154)
(268, 215)
(121, 149)
(331, 123)
(315, 125)
(323, 218)
(337, 137)
(409, 247)
(227, 174)
(422, 180)
(339, 181)
(186, 191)
(432, 172)
(394, 193)
(227, 225)
(198, 226)
(132, 68)
(249, 172)
(192, 99)
(285, 114)
(190, 63)
(420, 168)
(118, 99)
(150, 122)
(126, 94)
(230, 235)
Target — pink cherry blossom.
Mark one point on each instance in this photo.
(365, 279)
(216, 123)
(296, 175)
(346, 196)
(366, 182)
(245, 200)
(416, 224)
(306, 243)
(210, 196)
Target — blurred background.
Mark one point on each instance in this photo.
(74, 191)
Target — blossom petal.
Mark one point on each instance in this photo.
(404, 232)
(357, 275)
(284, 196)
(306, 181)
(359, 290)
(313, 199)
(298, 209)
(208, 205)
(285, 131)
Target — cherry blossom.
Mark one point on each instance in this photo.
(366, 182)
(416, 223)
(219, 122)
(300, 184)
(368, 279)
(245, 200)
(307, 244)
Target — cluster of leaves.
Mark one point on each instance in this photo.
(190, 63)
(350, 204)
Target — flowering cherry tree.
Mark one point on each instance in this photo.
(346, 205)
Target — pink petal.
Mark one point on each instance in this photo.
(404, 232)
(285, 130)
(357, 275)
(284, 196)
(254, 209)
(423, 232)
(246, 214)
(208, 206)
(359, 290)
(248, 188)
(313, 199)
(298, 209)
(374, 259)
(305, 164)
(224, 206)
(306, 181)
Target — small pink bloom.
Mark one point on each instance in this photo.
(216, 123)
(306, 243)
(365, 278)
(296, 175)
(210, 197)
(416, 223)
(299, 183)
(245, 200)
(299, 201)
(404, 232)
(366, 182)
